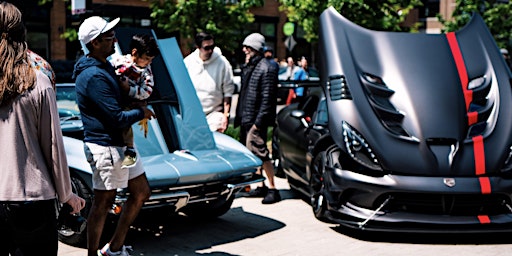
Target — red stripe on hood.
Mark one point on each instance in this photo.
(472, 118)
(461, 67)
(478, 141)
(485, 185)
(479, 152)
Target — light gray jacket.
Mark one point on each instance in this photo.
(33, 164)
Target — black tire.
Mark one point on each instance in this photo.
(210, 209)
(68, 236)
(316, 186)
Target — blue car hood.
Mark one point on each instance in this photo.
(229, 160)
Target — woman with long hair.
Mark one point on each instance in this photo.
(33, 170)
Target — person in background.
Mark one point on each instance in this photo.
(99, 99)
(291, 69)
(42, 65)
(212, 76)
(256, 110)
(268, 53)
(136, 68)
(34, 166)
(302, 74)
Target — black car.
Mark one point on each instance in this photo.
(405, 132)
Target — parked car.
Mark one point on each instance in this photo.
(405, 132)
(189, 168)
(284, 85)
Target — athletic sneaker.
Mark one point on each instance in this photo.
(105, 251)
(130, 158)
(128, 162)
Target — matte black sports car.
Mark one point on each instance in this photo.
(406, 132)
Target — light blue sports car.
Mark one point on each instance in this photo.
(188, 167)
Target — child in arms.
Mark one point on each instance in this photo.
(136, 68)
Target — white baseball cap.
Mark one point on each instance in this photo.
(93, 26)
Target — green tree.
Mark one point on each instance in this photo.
(386, 15)
(496, 14)
(224, 19)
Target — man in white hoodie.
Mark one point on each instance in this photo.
(212, 76)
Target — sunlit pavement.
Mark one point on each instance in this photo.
(287, 228)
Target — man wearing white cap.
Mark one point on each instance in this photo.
(256, 110)
(99, 99)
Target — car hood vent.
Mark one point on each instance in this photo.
(378, 95)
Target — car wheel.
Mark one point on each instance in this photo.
(210, 209)
(316, 186)
(66, 235)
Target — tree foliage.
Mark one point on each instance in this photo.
(224, 19)
(496, 14)
(386, 15)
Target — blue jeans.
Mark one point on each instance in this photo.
(28, 228)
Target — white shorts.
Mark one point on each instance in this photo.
(106, 163)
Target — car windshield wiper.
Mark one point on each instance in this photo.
(68, 118)
(164, 101)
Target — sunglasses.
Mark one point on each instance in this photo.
(209, 47)
(109, 38)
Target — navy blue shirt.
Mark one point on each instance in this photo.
(100, 103)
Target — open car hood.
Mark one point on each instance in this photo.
(426, 104)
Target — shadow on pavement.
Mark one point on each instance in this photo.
(428, 238)
(163, 233)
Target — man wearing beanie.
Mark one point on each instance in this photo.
(99, 100)
(256, 109)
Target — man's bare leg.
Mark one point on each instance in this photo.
(101, 204)
(269, 171)
(139, 193)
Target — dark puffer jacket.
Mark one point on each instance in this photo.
(257, 99)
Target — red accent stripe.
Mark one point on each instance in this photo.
(478, 149)
(461, 68)
(472, 118)
(485, 185)
(484, 219)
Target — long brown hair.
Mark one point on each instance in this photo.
(16, 73)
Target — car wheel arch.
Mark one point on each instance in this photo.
(322, 144)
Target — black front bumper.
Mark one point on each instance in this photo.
(417, 204)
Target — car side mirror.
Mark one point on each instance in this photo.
(301, 115)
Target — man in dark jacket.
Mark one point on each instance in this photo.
(256, 109)
(99, 99)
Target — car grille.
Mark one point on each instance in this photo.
(443, 204)
(182, 195)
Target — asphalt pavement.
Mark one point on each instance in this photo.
(286, 228)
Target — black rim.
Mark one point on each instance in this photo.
(316, 183)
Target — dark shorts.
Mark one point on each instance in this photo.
(256, 141)
(28, 228)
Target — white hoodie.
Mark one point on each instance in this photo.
(213, 79)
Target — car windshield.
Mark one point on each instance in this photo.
(152, 144)
(66, 102)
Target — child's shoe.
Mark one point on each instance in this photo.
(130, 158)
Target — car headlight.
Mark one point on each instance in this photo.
(358, 149)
